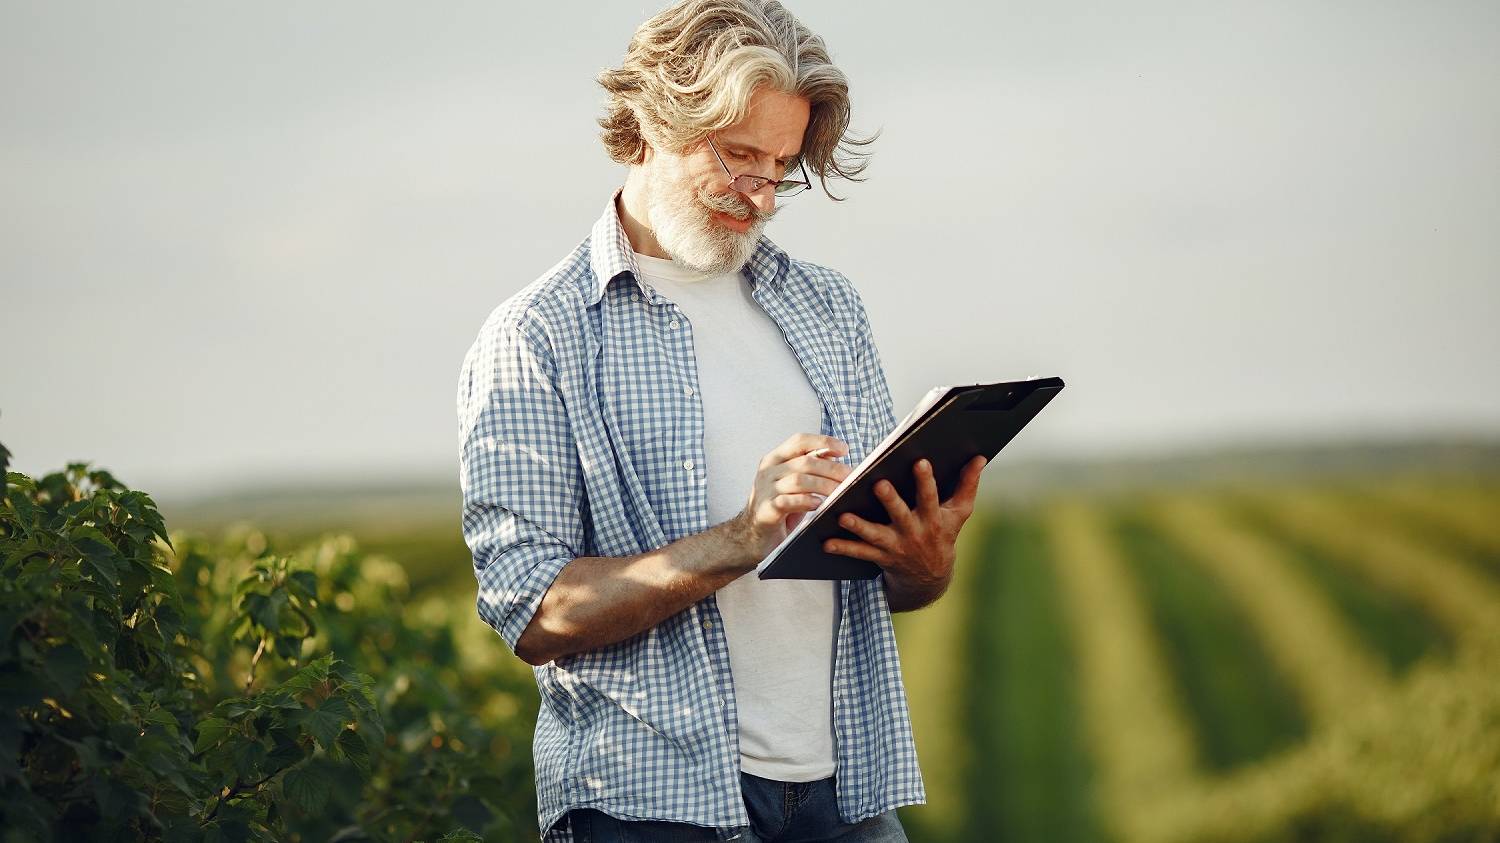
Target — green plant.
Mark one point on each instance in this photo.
(166, 687)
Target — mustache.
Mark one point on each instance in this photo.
(729, 203)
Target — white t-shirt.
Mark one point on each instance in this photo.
(780, 632)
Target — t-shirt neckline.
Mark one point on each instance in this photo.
(668, 270)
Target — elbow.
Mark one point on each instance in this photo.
(539, 645)
(530, 647)
(551, 631)
(528, 652)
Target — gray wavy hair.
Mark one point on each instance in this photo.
(690, 70)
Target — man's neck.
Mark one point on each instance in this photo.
(631, 207)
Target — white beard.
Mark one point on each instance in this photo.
(683, 224)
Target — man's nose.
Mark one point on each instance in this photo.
(763, 200)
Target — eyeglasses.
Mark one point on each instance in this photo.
(750, 184)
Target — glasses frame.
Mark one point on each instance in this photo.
(748, 184)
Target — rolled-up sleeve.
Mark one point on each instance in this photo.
(519, 472)
(869, 374)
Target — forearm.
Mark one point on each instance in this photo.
(596, 601)
(907, 594)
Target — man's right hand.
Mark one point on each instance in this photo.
(792, 480)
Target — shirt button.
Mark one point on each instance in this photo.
(674, 323)
(635, 296)
(687, 464)
(708, 624)
(688, 391)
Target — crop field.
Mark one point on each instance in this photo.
(1297, 662)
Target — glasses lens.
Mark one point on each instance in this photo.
(789, 188)
(746, 184)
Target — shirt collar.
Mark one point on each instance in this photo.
(610, 256)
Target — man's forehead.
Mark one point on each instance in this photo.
(773, 124)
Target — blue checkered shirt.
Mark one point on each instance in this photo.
(580, 437)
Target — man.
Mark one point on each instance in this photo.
(615, 413)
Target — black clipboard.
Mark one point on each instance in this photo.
(950, 427)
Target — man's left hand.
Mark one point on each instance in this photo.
(917, 548)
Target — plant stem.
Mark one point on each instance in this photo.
(260, 650)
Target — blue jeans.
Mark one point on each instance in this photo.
(780, 812)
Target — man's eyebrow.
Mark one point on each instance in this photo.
(758, 151)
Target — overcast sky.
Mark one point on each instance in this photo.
(249, 241)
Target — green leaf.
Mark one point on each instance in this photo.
(288, 646)
(168, 619)
(161, 717)
(247, 756)
(252, 584)
(313, 673)
(232, 825)
(255, 607)
(109, 705)
(75, 508)
(25, 509)
(237, 708)
(269, 615)
(23, 554)
(210, 731)
(91, 541)
(338, 707)
(104, 570)
(306, 788)
(363, 686)
(305, 582)
(285, 750)
(352, 745)
(325, 721)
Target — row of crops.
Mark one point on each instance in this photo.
(1298, 663)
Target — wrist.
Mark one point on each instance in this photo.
(906, 592)
(742, 545)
